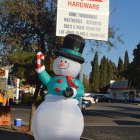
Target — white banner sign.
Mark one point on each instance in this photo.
(87, 18)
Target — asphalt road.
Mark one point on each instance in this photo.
(21, 113)
(112, 133)
(103, 121)
(112, 114)
(112, 121)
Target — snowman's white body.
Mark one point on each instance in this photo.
(59, 118)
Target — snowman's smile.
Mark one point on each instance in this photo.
(63, 64)
(66, 66)
(63, 67)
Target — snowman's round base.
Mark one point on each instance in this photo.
(58, 118)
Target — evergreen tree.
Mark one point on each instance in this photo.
(134, 69)
(90, 76)
(86, 83)
(109, 71)
(120, 69)
(113, 74)
(126, 60)
(126, 63)
(103, 72)
(94, 79)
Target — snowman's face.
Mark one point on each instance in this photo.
(65, 66)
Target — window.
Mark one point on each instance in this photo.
(125, 94)
(138, 94)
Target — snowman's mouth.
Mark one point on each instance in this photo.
(63, 67)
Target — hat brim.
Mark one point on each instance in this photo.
(71, 56)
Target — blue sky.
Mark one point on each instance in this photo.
(125, 17)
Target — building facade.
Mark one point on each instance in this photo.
(121, 91)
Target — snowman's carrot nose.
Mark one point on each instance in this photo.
(62, 64)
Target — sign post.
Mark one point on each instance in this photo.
(87, 18)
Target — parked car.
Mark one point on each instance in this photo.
(89, 98)
(83, 107)
(102, 98)
(85, 104)
(88, 94)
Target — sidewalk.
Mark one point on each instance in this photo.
(10, 133)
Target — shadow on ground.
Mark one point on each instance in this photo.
(125, 122)
(109, 114)
(11, 134)
(133, 109)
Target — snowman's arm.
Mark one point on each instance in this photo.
(44, 77)
(72, 92)
(40, 69)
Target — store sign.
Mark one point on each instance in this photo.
(87, 18)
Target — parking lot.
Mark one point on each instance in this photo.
(112, 121)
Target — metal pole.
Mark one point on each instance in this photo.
(6, 79)
(17, 89)
(81, 79)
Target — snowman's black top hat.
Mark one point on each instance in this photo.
(72, 48)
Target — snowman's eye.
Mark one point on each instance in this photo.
(65, 61)
(61, 61)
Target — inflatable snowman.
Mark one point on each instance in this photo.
(59, 117)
